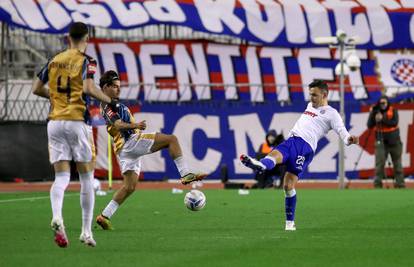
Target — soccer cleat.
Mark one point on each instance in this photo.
(60, 235)
(252, 163)
(87, 240)
(104, 222)
(192, 177)
(290, 226)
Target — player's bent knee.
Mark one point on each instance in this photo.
(173, 139)
(288, 187)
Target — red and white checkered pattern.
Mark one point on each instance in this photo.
(403, 71)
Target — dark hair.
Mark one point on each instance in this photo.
(78, 30)
(320, 84)
(108, 77)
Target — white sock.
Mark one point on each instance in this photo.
(110, 209)
(57, 192)
(181, 166)
(87, 201)
(290, 193)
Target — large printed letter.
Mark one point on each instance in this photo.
(55, 14)
(352, 24)
(31, 14)
(253, 71)
(184, 130)
(277, 57)
(245, 127)
(151, 71)
(108, 53)
(316, 14)
(93, 14)
(130, 15)
(196, 71)
(165, 10)
(7, 6)
(214, 14)
(381, 27)
(224, 53)
(267, 30)
(308, 72)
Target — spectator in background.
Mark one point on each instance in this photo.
(270, 178)
(383, 119)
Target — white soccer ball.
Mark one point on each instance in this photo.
(195, 200)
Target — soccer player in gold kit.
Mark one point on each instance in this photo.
(69, 76)
(130, 144)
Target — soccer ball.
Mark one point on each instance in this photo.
(195, 200)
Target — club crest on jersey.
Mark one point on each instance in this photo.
(310, 113)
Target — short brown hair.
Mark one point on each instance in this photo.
(321, 84)
(108, 77)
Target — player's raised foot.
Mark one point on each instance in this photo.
(87, 240)
(104, 222)
(192, 177)
(290, 226)
(252, 163)
(59, 231)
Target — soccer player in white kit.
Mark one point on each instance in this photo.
(298, 150)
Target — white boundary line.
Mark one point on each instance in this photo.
(33, 198)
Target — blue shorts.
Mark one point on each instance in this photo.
(297, 154)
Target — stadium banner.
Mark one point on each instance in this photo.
(283, 23)
(213, 135)
(262, 73)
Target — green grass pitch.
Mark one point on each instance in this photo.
(153, 228)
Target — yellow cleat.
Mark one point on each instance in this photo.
(192, 177)
(104, 222)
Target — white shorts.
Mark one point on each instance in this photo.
(137, 145)
(70, 140)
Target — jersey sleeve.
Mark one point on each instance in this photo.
(43, 74)
(109, 114)
(338, 126)
(88, 68)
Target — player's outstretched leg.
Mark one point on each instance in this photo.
(252, 163)
(104, 222)
(171, 142)
(59, 231)
(290, 181)
(192, 177)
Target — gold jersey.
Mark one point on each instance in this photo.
(111, 115)
(65, 74)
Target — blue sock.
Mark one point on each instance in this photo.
(290, 205)
(269, 163)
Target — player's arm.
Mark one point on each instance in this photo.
(112, 117)
(121, 126)
(338, 126)
(89, 87)
(38, 87)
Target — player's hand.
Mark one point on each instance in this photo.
(142, 125)
(353, 140)
(378, 117)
